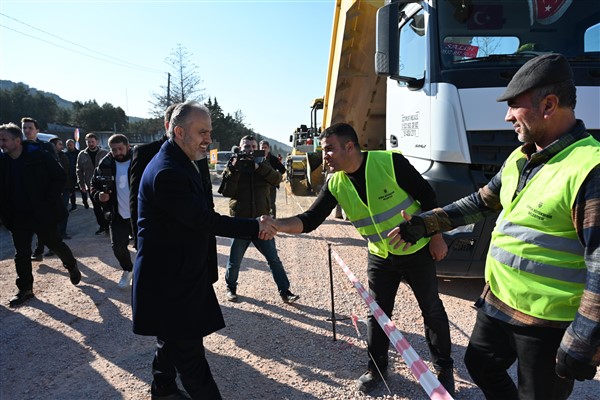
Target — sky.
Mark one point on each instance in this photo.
(267, 59)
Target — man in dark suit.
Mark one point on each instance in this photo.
(31, 182)
(142, 154)
(173, 297)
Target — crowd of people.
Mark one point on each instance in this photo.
(540, 306)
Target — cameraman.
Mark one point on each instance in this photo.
(247, 180)
(277, 165)
(110, 187)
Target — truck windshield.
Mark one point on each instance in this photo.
(503, 31)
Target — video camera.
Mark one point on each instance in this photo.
(244, 161)
(107, 182)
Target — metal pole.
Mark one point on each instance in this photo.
(331, 290)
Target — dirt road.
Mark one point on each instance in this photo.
(76, 342)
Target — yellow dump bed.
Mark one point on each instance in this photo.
(354, 93)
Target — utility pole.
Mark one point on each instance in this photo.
(168, 89)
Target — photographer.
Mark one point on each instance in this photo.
(277, 165)
(247, 180)
(110, 187)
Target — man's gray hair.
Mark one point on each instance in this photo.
(181, 115)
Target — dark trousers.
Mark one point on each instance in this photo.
(73, 197)
(84, 198)
(120, 229)
(273, 197)
(62, 225)
(99, 213)
(22, 238)
(188, 358)
(495, 345)
(418, 270)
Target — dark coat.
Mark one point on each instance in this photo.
(173, 296)
(43, 182)
(250, 192)
(142, 154)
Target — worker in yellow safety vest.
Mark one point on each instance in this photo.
(540, 303)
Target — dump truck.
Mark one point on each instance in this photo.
(422, 77)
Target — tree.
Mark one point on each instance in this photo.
(184, 82)
(18, 102)
(227, 129)
(91, 117)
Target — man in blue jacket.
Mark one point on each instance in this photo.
(173, 296)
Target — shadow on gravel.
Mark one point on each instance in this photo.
(253, 385)
(311, 352)
(66, 361)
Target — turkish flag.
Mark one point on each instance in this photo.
(547, 12)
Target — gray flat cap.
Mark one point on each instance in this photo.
(537, 72)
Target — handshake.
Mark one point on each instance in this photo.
(268, 227)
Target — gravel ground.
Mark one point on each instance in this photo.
(76, 342)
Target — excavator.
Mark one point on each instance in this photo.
(304, 164)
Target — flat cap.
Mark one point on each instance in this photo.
(537, 72)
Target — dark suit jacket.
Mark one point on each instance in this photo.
(173, 295)
(43, 180)
(141, 156)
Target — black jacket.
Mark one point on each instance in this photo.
(107, 168)
(43, 180)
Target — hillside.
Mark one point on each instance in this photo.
(6, 85)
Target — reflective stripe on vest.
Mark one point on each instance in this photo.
(535, 263)
(385, 201)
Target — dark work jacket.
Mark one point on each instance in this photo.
(172, 294)
(43, 182)
(249, 192)
(107, 167)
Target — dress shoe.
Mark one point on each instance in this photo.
(231, 295)
(446, 378)
(21, 297)
(370, 379)
(101, 231)
(74, 274)
(86, 206)
(37, 257)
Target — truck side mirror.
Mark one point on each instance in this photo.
(387, 42)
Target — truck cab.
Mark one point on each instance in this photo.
(446, 62)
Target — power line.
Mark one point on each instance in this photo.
(118, 62)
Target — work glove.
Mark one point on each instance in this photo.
(413, 230)
(568, 367)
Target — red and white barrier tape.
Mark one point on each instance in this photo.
(426, 378)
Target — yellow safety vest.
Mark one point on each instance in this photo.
(385, 198)
(535, 262)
